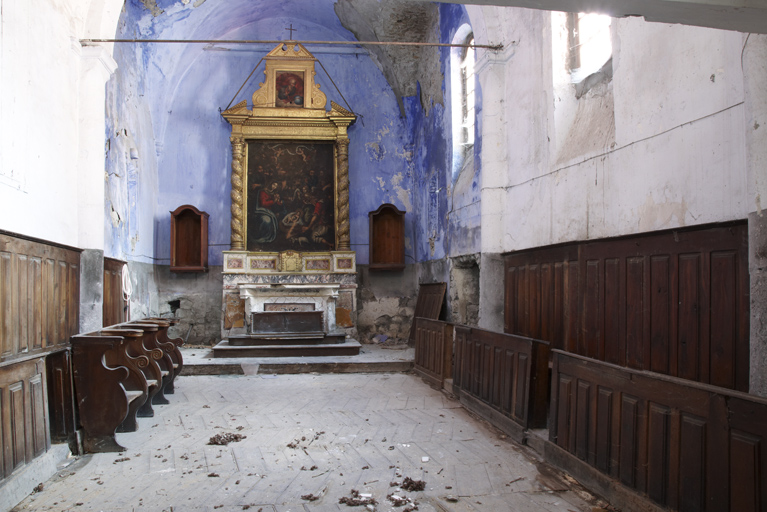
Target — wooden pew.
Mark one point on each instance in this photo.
(138, 346)
(120, 372)
(109, 387)
(169, 345)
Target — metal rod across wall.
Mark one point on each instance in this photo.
(496, 47)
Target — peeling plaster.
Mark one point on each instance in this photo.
(403, 66)
(653, 216)
(402, 194)
(152, 6)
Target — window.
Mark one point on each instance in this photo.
(462, 85)
(588, 44)
(467, 93)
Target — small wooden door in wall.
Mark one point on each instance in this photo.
(114, 309)
(188, 240)
(387, 238)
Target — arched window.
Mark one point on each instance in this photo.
(467, 93)
(463, 83)
(589, 45)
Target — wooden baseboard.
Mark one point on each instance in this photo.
(506, 424)
(617, 494)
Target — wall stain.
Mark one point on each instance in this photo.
(653, 216)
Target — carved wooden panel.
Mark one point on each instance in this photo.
(685, 445)
(39, 296)
(60, 396)
(39, 310)
(506, 372)
(673, 302)
(23, 414)
(433, 350)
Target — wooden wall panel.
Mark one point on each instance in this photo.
(23, 416)
(433, 350)
(672, 302)
(541, 296)
(39, 309)
(39, 296)
(503, 372)
(685, 445)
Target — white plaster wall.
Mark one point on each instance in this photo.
(43, 109)
(668, 75)
(678, 156)
(39, 73)
(517, 109)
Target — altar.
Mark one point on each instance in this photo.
(290, 273)
(289, 281)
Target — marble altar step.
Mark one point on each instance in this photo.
(276, 338)
(297, 349)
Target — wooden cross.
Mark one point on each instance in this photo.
(291, 31)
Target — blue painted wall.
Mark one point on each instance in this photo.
(447, 222)
(168, 144)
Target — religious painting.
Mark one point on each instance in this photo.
(290, 196)
(289, 89)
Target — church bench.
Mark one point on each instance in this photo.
(109, 386)
(120, 372)
(149, 360)
(160, 360)
(168, 345)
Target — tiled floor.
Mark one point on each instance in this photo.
(310, 440)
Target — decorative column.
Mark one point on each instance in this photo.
(238, 235)
(343, 236)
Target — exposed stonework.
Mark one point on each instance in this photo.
(91, 290)
(464, 290)
(757, 241)
(195, 299)
(403, 66)
(152, 6)
(385, 304)
(491, 272)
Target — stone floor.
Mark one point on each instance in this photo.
(308, 441)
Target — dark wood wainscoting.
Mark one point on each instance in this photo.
(39, 311)
(114, 308)
(25, 431)
(673, 302)
(433, 350)
(39, 296)
(506, 373)
(687, 446)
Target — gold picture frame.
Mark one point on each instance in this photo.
(277, 116)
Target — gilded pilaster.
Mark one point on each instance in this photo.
(344, 238)
(238, 217)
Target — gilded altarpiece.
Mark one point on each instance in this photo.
(290, 197)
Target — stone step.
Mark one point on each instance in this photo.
(226, 349)
(243, 340)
